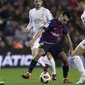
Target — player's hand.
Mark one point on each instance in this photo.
(70, 51)
(26, 30)
(45, 24)
(31, 42)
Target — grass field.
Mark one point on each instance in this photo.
(12, 76)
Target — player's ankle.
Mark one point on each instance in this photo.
(29, 73)
(65, 78)
(53, 76)
(45, 68)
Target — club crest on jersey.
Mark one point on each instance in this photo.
(41, 43)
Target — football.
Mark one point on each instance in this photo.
(45, 77)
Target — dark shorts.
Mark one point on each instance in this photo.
(54, 49)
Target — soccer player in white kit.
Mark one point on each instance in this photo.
(36, 16)
(80, 49)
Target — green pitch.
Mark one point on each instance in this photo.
(12, 76)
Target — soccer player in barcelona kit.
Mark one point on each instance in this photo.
(50, 41)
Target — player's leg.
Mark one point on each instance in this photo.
(42, 50)
(34, 52)
(51, 59)
(33, 63)
(79, 50)
(77, 60)
(65, 66)
(56, 50)
(46, 62)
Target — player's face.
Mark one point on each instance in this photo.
(64, 19)
(38, 3)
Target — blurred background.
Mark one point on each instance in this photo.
(14, 18)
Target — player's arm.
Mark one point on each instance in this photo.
(68, 39)
(46, 26)
(29, 26)
(50, 25)
(40, 32)
(31, 42)
(69, 43)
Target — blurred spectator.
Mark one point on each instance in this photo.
(20, 34)
(18, 45)
(2, 44)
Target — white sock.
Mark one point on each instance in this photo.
(53, 66)
(79, 64)
(40, 61)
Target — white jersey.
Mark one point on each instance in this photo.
(82, 43)
(83, 17)
(37, 16)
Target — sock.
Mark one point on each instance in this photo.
(79, 64)
(40, 61)
(53, 66)
(32, 65)
(65, 71)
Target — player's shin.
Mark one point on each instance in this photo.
(32, 65)
(53, 66)
(51, 59)
(79, 64)
(65, 74)
(65, 71)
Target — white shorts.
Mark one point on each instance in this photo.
(82, 44)
(36, 44)
(45, 60)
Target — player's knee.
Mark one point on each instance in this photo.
(49, 56)
(65, 62)
(40, 53)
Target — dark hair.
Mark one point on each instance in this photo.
(67, 13)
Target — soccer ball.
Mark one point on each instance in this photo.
(45, 77)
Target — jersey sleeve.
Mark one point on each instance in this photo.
(49, 15)
(52, 24)
(29, 26)
(65, 30)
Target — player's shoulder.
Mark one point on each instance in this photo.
(54, 20)
(31, 10)
(45, 9)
